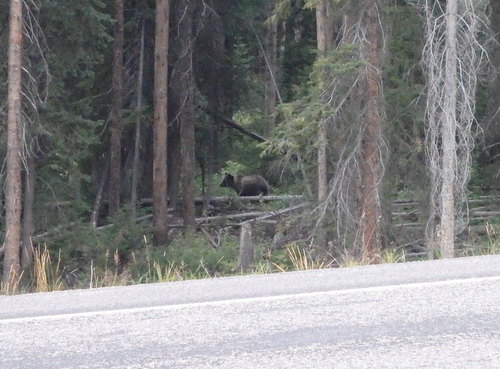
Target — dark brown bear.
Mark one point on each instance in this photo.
(252, 185)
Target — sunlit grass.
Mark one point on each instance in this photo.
(392, 256)
(300, 259)
(46, 276)
(388, 256)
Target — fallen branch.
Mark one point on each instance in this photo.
(485, 213)
(252, 214)
(275, 213)
(231, 123)
(227, 199)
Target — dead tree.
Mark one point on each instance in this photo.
(452, 58)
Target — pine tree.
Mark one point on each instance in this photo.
(13, 185)
(160, 230)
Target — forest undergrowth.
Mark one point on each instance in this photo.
(191, 256)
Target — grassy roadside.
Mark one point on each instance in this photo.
(190, 257)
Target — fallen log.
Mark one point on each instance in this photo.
(227, 199)
(251, 214)
(275, 213)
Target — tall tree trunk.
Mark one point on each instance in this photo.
(13, 186)
(324, 36)
(185, 84)
(451, 70)
(160, 230)
(117, 112)
(137, 138)
(369, 209)
(28, 216)
(324, 32)
(448, 132)
(271, 52)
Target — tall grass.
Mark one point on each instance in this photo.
(300, 259)
(493, 239)
(488, 244)
(46, 277)
(10, 288)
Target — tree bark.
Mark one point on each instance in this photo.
(160, 230)
(448, 132)
(117, 111)
(369, 209)
(137, 138)
(13, 185)
(324, 31)
(324, 37)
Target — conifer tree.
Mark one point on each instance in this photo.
(160, 230)
(13, 185)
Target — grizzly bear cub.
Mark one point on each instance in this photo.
(252, 185)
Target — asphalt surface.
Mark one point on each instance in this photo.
(438, 314)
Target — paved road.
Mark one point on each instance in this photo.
(439, 314)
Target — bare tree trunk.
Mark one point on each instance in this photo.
(13, 187)
(137, 142)
(271, 52)
(28, 218)
(324, 36)
(448, 132)
(324, 27)
(369, 209)
(451, 69)
(117, 111)
(160, 230)
(184, 79)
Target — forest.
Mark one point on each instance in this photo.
(373, 127)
